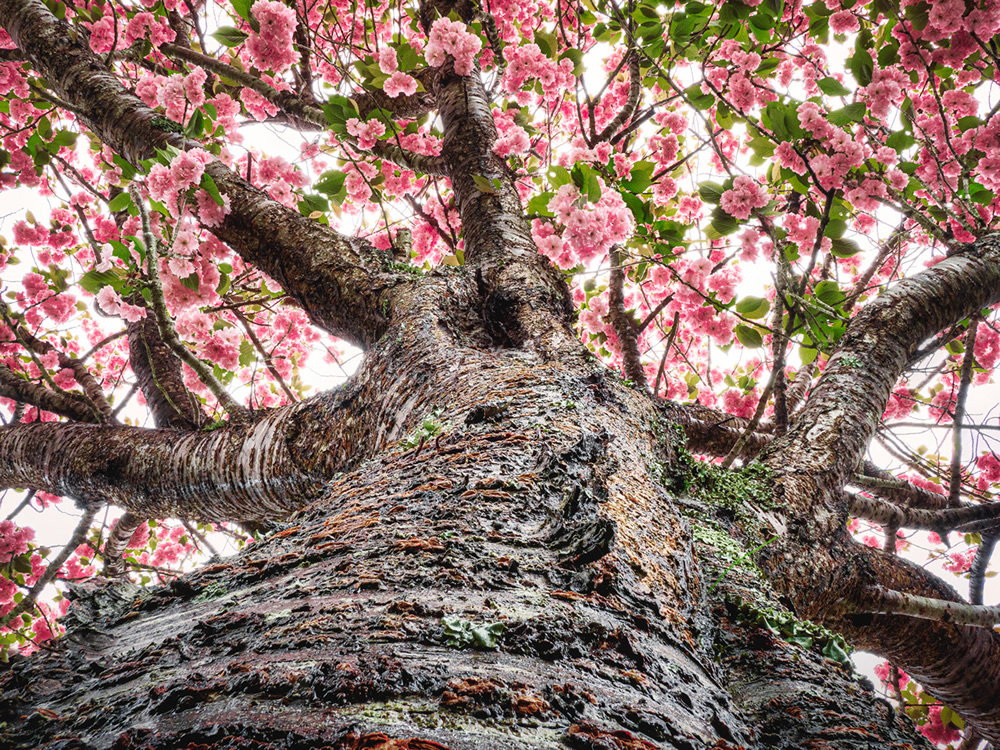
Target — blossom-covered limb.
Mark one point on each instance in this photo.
(631, 104)
(327, 273)
(294, 107)
(65, 404)
(92, 394)
(236, 412)
(91, 388)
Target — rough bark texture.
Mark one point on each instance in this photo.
(557, 514)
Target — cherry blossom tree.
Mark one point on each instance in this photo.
(675, 325)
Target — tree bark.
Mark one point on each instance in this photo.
(550, 502)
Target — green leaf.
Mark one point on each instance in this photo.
(196, 125)
(640, 177)
(247, 353)
(842, 248)
(539, 204)
(225, 281)
(639, 209)
(242, 8)
(749, 337)
(576, 55)
(330, 182)
(128, 171)
(851, 113)
(229, 36)
(753, 308)
(585, 178)
(832, 87)
(832, 650)
(900, 140)
(861, 66)
(546, 42)
(558, 176)
(483, 184)
(65, 138)
(487, 636)
(312, 203)
(698, 99)
(93, 281)
(209, 186)
(828, 292)
(120, 202)
(722, 225)
(191, 282)
(711, 192)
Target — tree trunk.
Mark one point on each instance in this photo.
(528, 559)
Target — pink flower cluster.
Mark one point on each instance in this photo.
(366, 132)
(13, 540)
(400, 83)
(45, 303)
(167, 183)
(102, 34)
(272, 47)
(527, 63)
(745, 195)
(111, 302)
(449, 37)
(590, 228)
(159, 30)
(513, 138)
(178, 95)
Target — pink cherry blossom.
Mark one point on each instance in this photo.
(272, 47)
(449, 37)
(400, 83)
(745, 195)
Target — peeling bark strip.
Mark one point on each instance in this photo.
(335, 278)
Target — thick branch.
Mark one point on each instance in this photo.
(160, 378)
(526, 298)
(263, 471)
(881, 601)
(69, 405)
(946, 519)
(813, 562)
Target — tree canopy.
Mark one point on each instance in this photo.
(769, 216)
